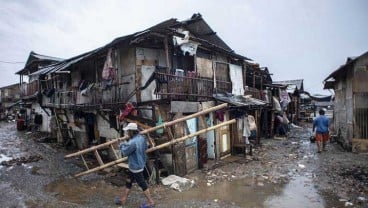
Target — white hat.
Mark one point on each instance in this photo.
(131, 126)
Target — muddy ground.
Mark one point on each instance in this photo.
(283, 172)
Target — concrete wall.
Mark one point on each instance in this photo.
(105, 130)
(45, 127)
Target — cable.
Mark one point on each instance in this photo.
(10, 62)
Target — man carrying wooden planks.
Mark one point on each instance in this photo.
(135, 150)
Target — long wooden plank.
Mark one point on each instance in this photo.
(170, 123)
(106, 165)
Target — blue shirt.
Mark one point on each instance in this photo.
(321, 123)
(135, 150)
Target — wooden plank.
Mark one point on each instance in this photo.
(142, 125)
(123, 165)
(169, 133)
(98, 157)
(225, 123)
(113, 150)
(202, 119)
(84, 162)
(166, 124)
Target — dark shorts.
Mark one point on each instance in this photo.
(136, 177)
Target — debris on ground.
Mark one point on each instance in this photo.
(22, 160)
(178, 183)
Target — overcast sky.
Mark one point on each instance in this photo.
(295, 39)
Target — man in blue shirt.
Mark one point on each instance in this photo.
(135, 150)
(321, 124)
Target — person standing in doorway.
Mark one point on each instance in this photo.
(135, 150)
(320, 124)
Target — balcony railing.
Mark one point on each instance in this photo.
(29, 89)
(187, 88)
(97, 95)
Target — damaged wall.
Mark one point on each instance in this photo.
(204, 67)
(126, 72)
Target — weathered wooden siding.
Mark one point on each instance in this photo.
(204, 67)
(127, 72)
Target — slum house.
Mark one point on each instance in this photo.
(259, 85)
(9, 96)
(149, 77)
(30, 91)
(289, 97)
(350, 84)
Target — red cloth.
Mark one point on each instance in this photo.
(127, 110)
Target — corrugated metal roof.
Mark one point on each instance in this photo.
(292, 85)
(196, 25)
(35, 57)
(239, 100)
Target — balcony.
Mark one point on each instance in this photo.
(96, 96)
(29, 89)
(187, 88)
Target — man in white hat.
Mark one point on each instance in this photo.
(135, 150)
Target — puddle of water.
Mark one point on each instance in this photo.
(79, 192)
(299, 192)
(244, 193)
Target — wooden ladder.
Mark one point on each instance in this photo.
(119, 160)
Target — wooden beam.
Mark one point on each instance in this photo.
(181, 139)
(166, 124)
(166, 45)
(98, 158)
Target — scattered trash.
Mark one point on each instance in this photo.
(347, 204)
(362, 199)
(301, 166)
(178, 183)
(260, 184)
(215, 200)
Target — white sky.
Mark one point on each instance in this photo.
(294, 38)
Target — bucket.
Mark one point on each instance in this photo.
(20, 125)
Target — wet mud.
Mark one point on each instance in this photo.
(283, 172)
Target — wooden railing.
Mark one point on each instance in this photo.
(29, 89)
(96, 96)
(188, 88)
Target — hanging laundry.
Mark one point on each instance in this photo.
(220, 115)
(284, 99)
(129, 107)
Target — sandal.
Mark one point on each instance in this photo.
(145, 205)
